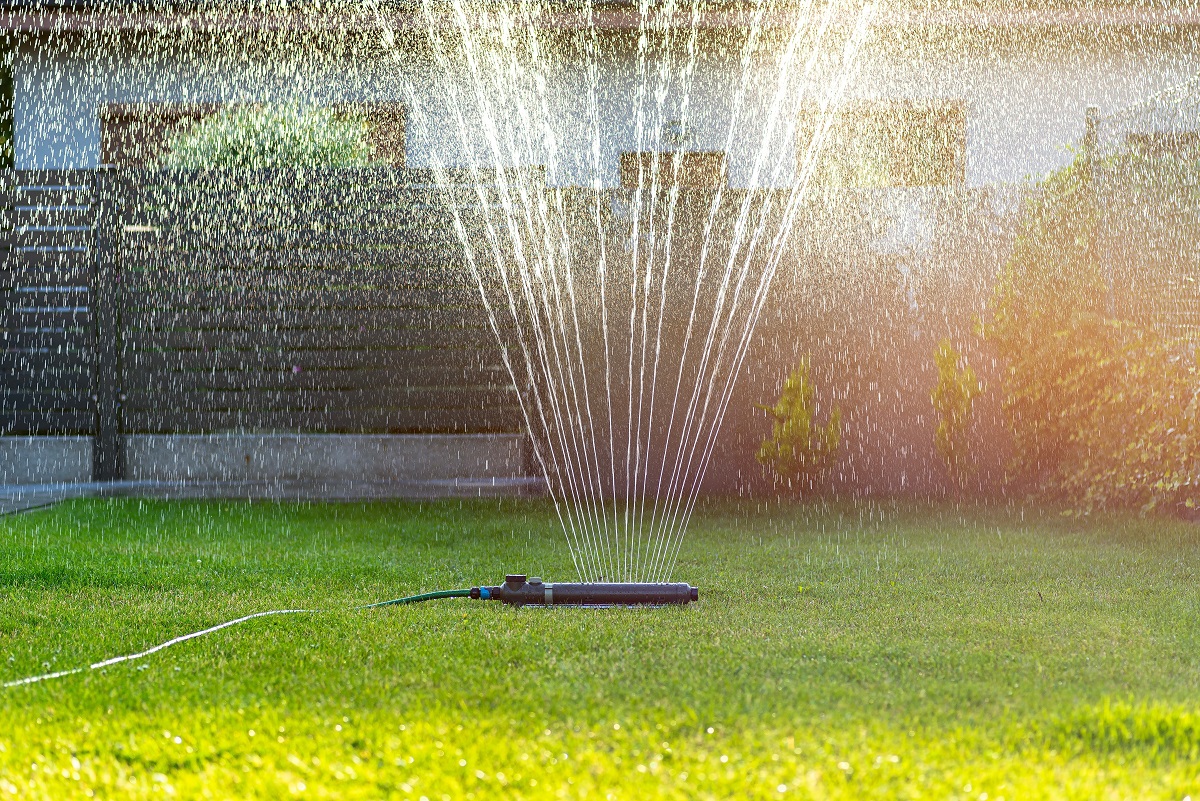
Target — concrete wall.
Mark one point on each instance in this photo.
(339, 459)
(323, 457)
(1025, 93)
(45, 460)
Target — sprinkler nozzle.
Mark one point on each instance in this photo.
(517, 590)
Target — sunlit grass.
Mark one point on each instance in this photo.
(843, 652)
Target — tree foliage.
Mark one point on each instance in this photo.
(953, 398)
(265, 136)
(1103, 411)
(799, 450)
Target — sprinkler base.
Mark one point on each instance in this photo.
(519, 591)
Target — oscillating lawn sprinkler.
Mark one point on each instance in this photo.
(517, 591)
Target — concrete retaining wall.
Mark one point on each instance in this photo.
(45, 460)
(323, 457)
(446, 460)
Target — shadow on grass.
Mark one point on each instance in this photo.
(1156, 731)
(59, 577)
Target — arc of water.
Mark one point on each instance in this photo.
(595, 478)
(796, 196)
(535, 300)
(474, 72)
(749, 46)
(528, 289)
(643, 45)
(662, 33)
(783, 232)
(531, 303)
(675, 483)
(643, 451)
(656, 20)
(576, 359)
(538, 280)
(562, 456)
(782, 87)
(689, 496)
(417, 110)
(593, 104)
(677, 163)
(552, 290)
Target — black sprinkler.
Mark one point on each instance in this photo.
(517, 591)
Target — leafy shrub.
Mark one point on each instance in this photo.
(953, 397)
(799, 450)
(1103, 411)
(260, 137)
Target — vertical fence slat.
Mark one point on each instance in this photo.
(108, 454)
(45, 307)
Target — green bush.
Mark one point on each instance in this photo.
(261, 137)
(799, 451)
(953, 398)
(1104, 412)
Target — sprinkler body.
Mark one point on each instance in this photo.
(517, 591)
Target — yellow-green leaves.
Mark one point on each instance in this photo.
(257, 137)
(1103, 409)
(799, 450)
(953, 397)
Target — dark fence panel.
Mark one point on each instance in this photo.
(46, 303)
(327, 302)
(145, 302)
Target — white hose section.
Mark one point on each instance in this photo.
(140, 654)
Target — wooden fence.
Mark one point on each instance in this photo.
(141, 302)
(47, 316)
(134, 302)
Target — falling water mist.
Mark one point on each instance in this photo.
(624, 315)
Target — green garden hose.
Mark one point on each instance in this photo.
(409, 599)
(425, 596)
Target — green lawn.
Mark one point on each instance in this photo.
(931, 653)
